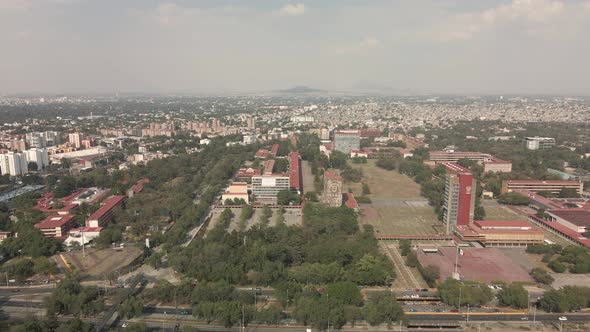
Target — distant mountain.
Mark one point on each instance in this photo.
(301, 89)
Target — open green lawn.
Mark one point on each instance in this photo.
(397, 207)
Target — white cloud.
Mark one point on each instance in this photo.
(295, 9)
(527, 12)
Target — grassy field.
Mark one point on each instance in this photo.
(397, 207)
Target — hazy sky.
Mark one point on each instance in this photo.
(201, 46)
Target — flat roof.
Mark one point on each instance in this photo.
(549, 182)
(109, 204)
(578, 217)
(502, 223)
(294, 178)
(54, 221)
(456, 168)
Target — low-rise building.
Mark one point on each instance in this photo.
(577, 220)
(500, 233)
(541, 185)
(539, 143)
(56, 225)
(236, 190)
(105, 213)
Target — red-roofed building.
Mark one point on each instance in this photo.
(540, 202)
(248, 172)
(561, 230)
(500, 233)
(268, 166)
(294, 172)
(138, 187)
(56, 225)
(578, 220)
(541, 185)
(351, 202)
(459, 198)
(105, 213)
(262, 154)
(274, 149)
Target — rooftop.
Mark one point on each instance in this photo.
(549, 182)
(456, 168)
(108, 204)
(502, 223)
(54, 221)
(578, 217)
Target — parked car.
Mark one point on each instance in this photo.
(563, 318)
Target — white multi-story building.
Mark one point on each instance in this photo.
(539, 143)
(266, 187)
(36, 140)
(14, 164)
(39, 156)
(75, 139)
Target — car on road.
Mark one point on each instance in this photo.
(524, 318)
(184, 312)
(124, 325)
(562, 318)
(15, 290)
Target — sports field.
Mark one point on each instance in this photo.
(397, 207)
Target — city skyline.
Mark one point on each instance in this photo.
(204, 47)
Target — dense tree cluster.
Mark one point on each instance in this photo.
(573, 258)
(71, 298)
(567, 298)
(514, 296)
(455, 293)
(329, 247)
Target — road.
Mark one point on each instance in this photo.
(406, 278)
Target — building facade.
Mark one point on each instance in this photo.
(13, 164)
(265, 188)
(459, 197)
(539, 143)
(346, 141)
(541, 185)
(332, 196)
(40, 156)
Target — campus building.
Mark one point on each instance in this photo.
(578, 220)
(541, 185)
(56, 225)
(295, 172)
(500, 233)
(236, 190)
(332, 196)
(346, 141)
(265, 188)
(105, 213)
(459, 198)
(539, 143)
(489, 162)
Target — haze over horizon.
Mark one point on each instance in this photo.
(225, 46)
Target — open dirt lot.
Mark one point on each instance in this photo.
(292, 217)
(397, 207)
(99, 262)
(307, 177)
